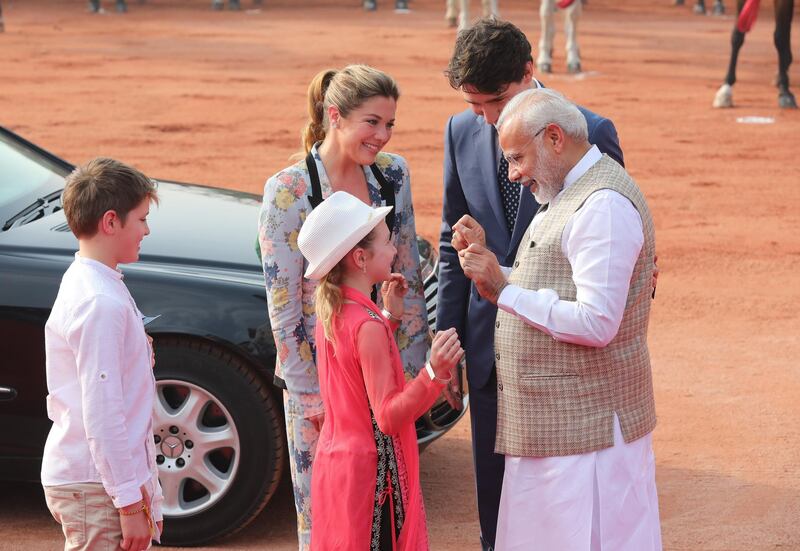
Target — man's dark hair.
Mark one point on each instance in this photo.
(489, 56)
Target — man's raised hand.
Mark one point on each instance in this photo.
(466, 232)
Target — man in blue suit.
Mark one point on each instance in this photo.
(491, 63)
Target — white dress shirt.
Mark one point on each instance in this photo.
(602, 241)
(101, 388)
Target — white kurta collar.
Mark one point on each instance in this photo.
(581, 168)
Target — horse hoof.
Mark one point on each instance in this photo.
(574, 68)
(787, 101)
(545, 68)
(452, 22)
(719, 9)
(699, 9)
(217, 5)
(679, 2)
(724, 97)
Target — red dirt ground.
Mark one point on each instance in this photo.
(194, 95)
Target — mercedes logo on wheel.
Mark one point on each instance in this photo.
(172, 447)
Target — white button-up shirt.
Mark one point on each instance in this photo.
(101, 388)
(602, 241)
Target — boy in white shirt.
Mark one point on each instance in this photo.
(99, 472)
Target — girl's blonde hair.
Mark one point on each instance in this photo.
(347, 89)
(329, 297)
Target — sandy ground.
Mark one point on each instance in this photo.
(194, 95)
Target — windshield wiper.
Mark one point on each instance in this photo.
(43, 206)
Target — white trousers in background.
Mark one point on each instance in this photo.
(598, 501)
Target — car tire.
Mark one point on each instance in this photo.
(219, 438)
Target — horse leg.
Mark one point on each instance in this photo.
(463, 15)
(700, 7)
(724, 96)
(719, 8)
(544, 62)
(784, 10)
(490, 8)
(2, 26)
(450, 14)
(571, 16)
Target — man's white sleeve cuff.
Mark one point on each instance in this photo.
(508, 297)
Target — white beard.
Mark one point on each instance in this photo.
(545, 194)
(549, 179)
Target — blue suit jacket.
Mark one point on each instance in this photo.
(471, 187)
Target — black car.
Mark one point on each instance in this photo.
(219, 420)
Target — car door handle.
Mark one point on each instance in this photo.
(7, 393)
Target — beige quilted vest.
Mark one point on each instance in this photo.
(557, 398)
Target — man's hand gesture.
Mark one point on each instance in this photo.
(466, 232)
(480, 265)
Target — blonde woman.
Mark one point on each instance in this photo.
(366, 488)
(351, 117)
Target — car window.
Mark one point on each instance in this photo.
(24, 177)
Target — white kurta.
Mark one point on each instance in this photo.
(604, 500)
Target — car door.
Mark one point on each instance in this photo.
(29, 286)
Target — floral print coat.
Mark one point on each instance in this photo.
(290, 296)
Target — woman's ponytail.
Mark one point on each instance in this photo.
(314, 130)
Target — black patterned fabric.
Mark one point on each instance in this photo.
(388, 497)
(509, 194)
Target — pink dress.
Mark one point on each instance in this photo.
(367, 455)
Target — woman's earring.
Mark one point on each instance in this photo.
(335, 124)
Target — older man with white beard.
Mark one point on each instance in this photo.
(575, 394)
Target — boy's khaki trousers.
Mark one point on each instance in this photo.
(87, 516)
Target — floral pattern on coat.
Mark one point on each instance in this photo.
(290, 296)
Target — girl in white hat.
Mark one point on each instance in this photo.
(365, 481)
(351, 117)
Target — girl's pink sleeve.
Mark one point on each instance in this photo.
(394, 405)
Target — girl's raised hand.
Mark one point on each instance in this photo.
(393, 290)
(446, 352)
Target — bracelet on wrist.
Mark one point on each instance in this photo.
(391, 317)
(141, 509)
(432, 374)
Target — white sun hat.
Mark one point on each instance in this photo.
(333, 229)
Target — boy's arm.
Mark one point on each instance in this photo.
(96, 336)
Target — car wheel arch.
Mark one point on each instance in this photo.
(242, 394)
